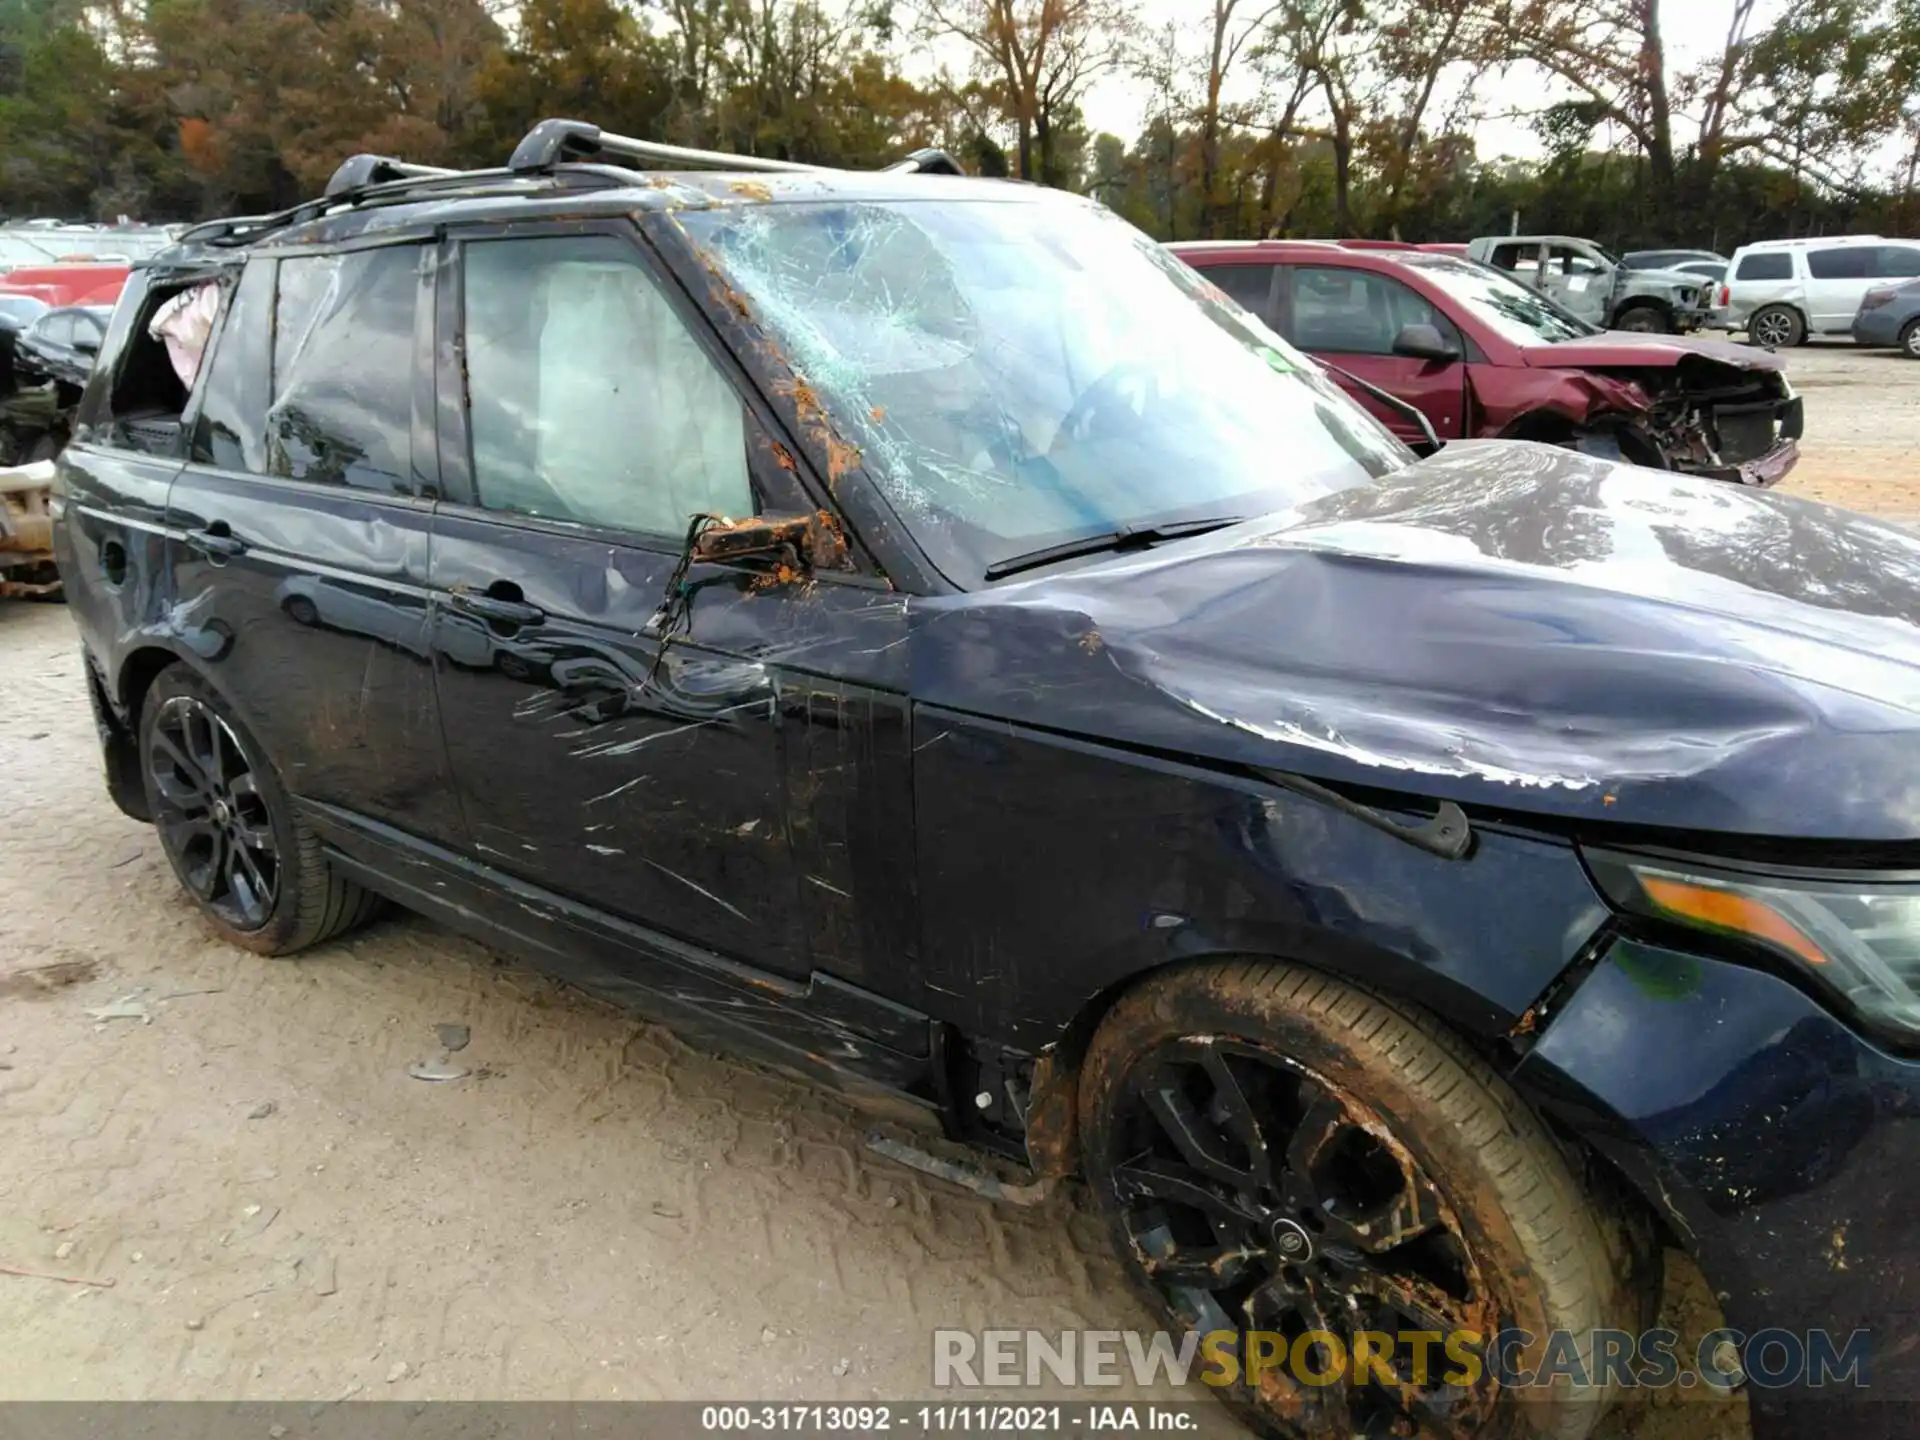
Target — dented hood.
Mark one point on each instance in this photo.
(1509, 625)
(1632, 348)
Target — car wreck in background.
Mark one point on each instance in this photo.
(26, 533)
(1481, 356)
(1602, 290)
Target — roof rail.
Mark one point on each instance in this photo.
(357, 172)
(928, 162)
(553, 141)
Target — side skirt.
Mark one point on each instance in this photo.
(879, 1055)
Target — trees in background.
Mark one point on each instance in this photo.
(1260, 116)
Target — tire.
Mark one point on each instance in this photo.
(1777, 327)
(1910, 340)
(1357, 1113)
(1600, 444)
(1644, 320)
(258, 875)
(301, 610)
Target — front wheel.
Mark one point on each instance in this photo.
(258, 875)
(1312, 1170)
(1643, 320)
(1910, 340)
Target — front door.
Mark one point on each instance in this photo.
(1351, 319)
(613, 722)
(299, 531)
(1578, 282)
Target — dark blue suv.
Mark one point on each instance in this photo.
(915, 631)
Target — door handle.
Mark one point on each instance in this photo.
(495, 609)
(216, 539)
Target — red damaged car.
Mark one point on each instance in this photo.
(1483, 356)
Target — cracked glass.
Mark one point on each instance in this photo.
(1022, 373)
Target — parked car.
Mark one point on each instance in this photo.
(1890, 315)
(1672, 260)
(1782, 291)
(61, 346)
(79, 283)
(1484, 356)
(1584, 279)
(19, 311)
(1380, 879)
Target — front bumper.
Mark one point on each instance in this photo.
(1768, 469)
(1780, 1148)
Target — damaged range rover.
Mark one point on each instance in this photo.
(811, 607)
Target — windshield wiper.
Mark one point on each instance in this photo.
(1125, 537)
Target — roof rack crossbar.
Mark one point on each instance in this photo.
(357, 172)
(927, 162)
(552, 142)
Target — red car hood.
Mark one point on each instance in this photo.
(1625, 347)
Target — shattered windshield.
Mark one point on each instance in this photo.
(1019, 375)
(1518, 312)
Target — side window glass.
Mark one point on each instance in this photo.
(230, 432)
(588, 400)
(342, 410)
(1899, 262)
(57, 330)
(1848, 264)
(1251, 286)
(1777, 266)
(1356, 312)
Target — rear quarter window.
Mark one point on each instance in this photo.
(1770, 266)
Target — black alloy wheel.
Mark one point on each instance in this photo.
(212, 816)
(1286, 1162)
(1262, 1199)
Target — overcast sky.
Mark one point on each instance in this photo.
(1694, 30)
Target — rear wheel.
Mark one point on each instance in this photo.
(1296, 1162)
(257, 874)
(1910, 340)
(1645, 319)
(1777, 327)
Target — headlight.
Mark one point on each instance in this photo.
(1857, 939)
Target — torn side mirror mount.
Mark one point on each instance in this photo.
(775, 539)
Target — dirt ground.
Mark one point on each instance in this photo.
(269, 1206)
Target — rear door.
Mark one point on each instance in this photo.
(1838, 277)
(1350, 318)
(300, 526)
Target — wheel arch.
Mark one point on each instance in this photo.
(1794, 304)
(122, 695)
(1646, 302)
(1053, 1117)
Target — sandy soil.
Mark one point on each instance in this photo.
(272, 1208)
(1862, 446)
